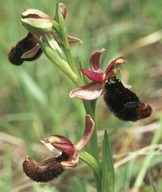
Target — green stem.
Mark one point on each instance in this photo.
(93, 143)
(71, 62)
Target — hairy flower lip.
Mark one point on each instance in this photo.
(45, 171)
(124, 103)
(26, 49)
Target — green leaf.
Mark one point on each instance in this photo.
(92, 162)
(33, 87)
(108, 176)
(95, 165)
(123, 175)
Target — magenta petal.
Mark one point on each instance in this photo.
(89, 91)
(61, 143)
(73, 40)
(94, 76)
(119, 60)
(88, 131)
(95, 60)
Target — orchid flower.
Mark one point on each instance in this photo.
(95, 89)
(40, 26)
(120, 100)
(66, 155)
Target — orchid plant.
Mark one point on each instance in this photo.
(49, 36)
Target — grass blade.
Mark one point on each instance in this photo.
(108, 176)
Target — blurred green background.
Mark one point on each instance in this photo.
(34, 99)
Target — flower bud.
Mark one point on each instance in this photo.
(63, 9)
(36, 21)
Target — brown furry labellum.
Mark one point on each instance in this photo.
(46, 170)
(124, 103)
(21, 47)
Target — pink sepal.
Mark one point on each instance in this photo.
(89, 91)
(110, 69)
(95, 60)
(88, 131)
(94, 76)
(73, 40)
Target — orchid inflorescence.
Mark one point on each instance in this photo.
(39, 26)
(48, 36)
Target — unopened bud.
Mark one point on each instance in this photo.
(63, 9)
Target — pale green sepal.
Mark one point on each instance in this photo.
(50, 40)
(56, 26)
(36, 21)
(108, 176)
